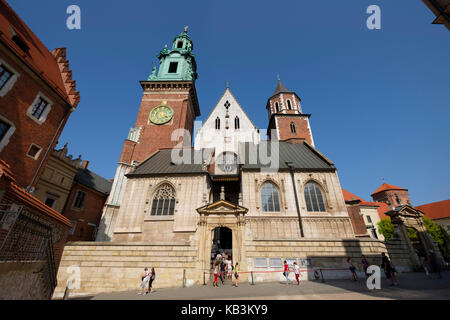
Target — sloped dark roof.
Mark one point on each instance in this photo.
(94, 181)
(161, 163)
(281, 89)
(301, 155)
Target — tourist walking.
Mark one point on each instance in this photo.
(286, 272)
(297, 273)
(236, 274)
(152, 278)
(426, 266)
(352, 269)
(230, 268)
(365, 265)
(222, 270)
(388, 269)
(144, 278)
(216, 271)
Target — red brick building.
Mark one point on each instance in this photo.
(37, 96)
(85, 204)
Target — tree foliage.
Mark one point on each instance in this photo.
(439, 235)
(386, 228)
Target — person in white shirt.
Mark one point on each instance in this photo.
(144, 277)
(297, 273)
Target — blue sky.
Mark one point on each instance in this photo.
(378, 98)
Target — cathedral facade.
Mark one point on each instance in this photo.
(177, 201)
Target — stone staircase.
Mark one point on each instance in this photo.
(109, 267)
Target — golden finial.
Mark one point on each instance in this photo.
(164, 102)
(186, 29)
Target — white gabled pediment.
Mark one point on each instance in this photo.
(227, 136)
(222, 207)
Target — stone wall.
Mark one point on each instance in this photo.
(328, 255)
(112, 267)
(23, 281)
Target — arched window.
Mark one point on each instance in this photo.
(164, 201)
(237, 124)
(277, 107)
(314, 198)
(289, 104)
(293, 129)
(269, 198)
(217, 123)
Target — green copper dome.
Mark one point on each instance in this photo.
(178, 63)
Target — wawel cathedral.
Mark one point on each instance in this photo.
(179, 197)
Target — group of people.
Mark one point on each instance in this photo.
(296, 270)
(147, 278)
(386, 265)
(223, 268)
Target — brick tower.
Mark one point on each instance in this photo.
(286, 119)
(169, 103)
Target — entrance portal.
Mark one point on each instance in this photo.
(222, 242)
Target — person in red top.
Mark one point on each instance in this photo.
(216, 271)
(286, 271)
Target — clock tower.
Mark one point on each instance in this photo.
(169, 103)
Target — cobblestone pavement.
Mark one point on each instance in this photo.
(411, 286)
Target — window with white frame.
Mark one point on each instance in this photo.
(260, 263)
(50, 200)
(4, 128)
(8, 77)
(5, 75)
(34, 151)
(289, 104)
(6, 131)
(40, 108)
(74, 226)
(79, 200)
(275, 262)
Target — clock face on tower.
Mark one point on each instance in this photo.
(161, 114)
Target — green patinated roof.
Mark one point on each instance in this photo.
(301, 155)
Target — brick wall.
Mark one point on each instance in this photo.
(302, 130)
(390, 196)
(148, 143)
(14, 106)
(91, 212)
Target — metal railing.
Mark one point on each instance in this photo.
(25, 237)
